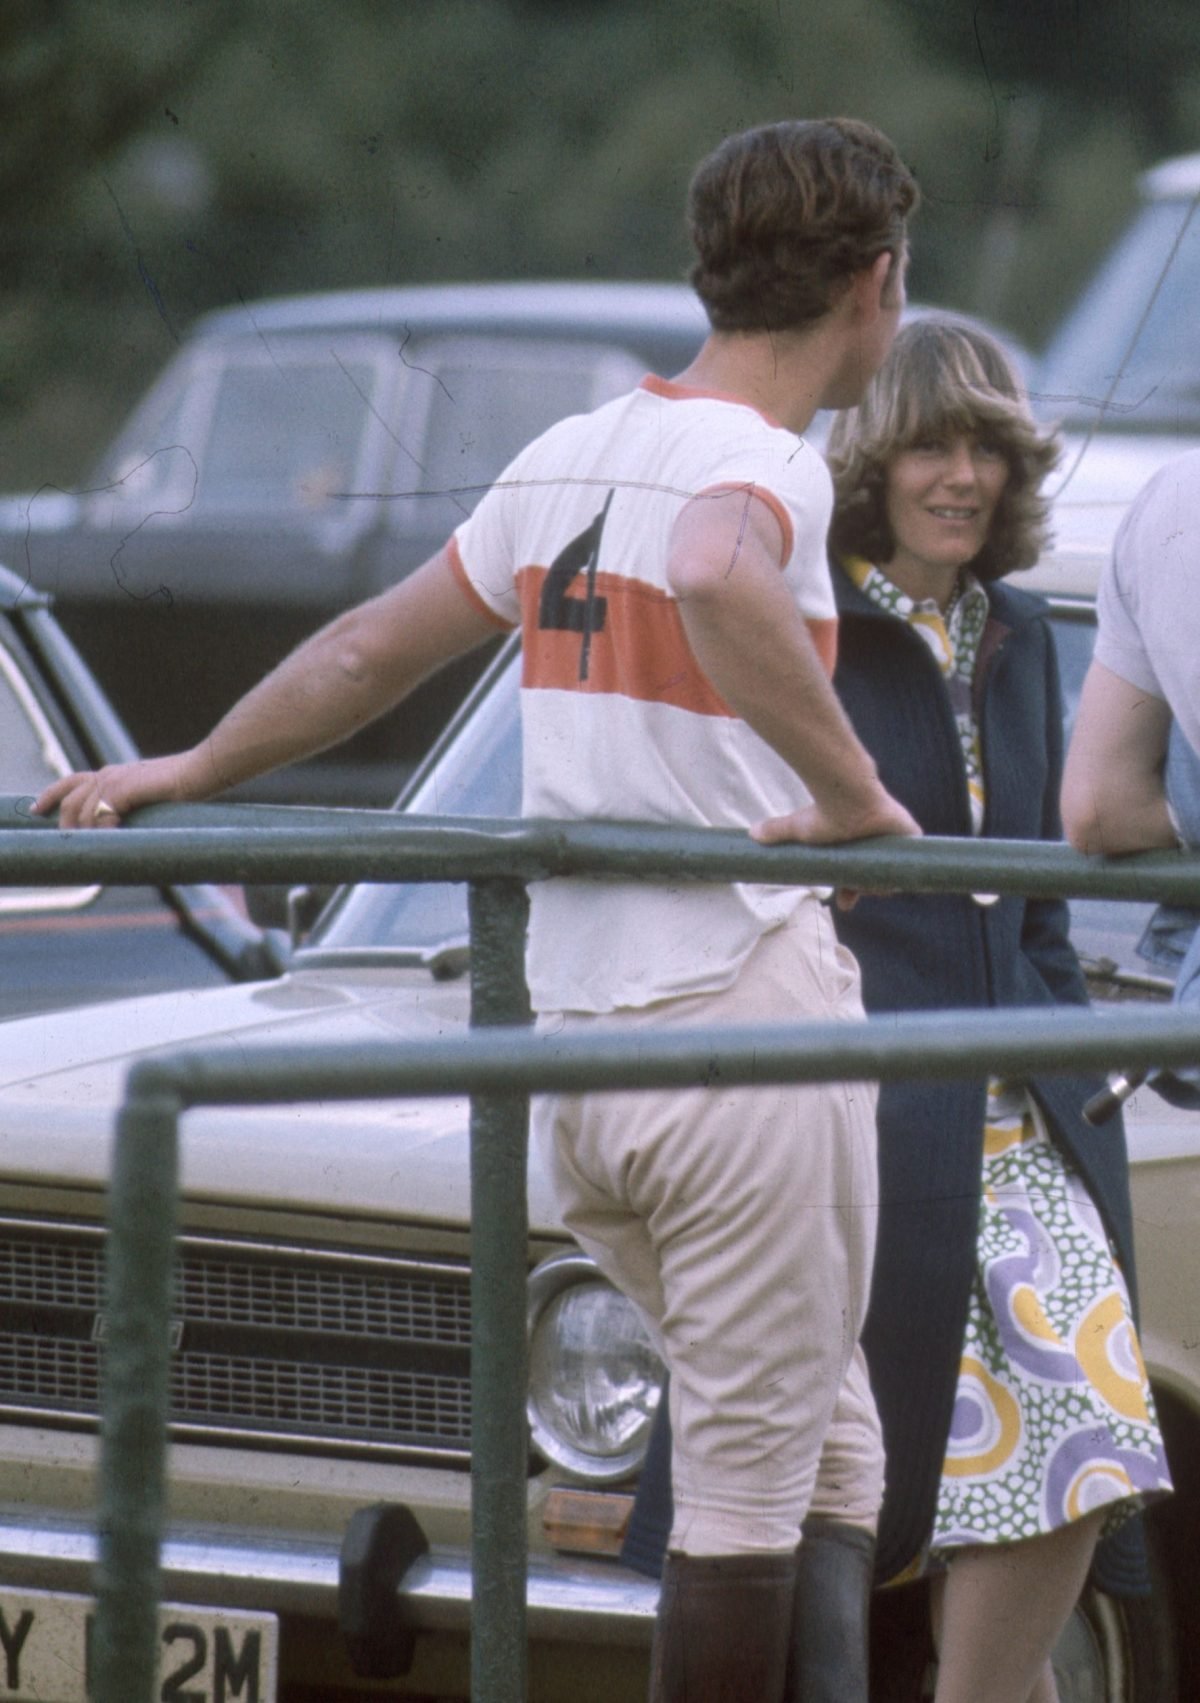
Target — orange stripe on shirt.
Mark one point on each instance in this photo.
(824, 635)
(671, 391)
(457, 568)
(773, 503)
(640, 652)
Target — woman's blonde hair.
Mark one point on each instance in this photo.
(943, 375)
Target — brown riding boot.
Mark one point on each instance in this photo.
(829, 1659)
(724, 1629)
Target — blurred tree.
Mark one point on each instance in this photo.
(78, 80)
(1128, 59)
(158, 161)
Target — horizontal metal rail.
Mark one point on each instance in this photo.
(282, 843)
(942, 1044)
(499, 1069)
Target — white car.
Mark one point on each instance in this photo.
(1122, 373)
(321, 1363)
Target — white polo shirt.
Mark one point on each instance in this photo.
(619, 722)
(1148, 603)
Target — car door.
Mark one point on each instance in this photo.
(62, 946)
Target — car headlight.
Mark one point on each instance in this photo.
(594, 1376)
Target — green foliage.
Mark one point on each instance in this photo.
(1099, 54)
(158, 161)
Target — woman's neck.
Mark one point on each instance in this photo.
(924, 582)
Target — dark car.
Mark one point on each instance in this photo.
(300, 454)
(64, 946)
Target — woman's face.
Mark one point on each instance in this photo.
(940, 495)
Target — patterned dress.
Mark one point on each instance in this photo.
(1053, 1415)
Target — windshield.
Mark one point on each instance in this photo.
(249, 428)
(1159, 385)
(477, 772)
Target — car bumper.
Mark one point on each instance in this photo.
(568, 1598)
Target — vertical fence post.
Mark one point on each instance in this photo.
(140, 1261)
(499, 911)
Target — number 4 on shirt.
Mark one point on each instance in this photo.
(559, 612)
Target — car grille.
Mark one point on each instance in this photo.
(318, 1349)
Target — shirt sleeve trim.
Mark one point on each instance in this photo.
(772, 502)
(458, 569)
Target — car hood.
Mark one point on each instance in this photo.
(62, 1079)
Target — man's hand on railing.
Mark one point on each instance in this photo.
(101, 798)
(824, 825)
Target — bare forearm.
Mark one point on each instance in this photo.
(345, 676)
(754, 645)
(1100, 822)
(1113, 797)
(326, 690)
(763, 662)
(336, 682)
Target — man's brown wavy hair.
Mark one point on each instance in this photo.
(783, 216)
(943, 375)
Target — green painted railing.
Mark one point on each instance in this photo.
(211, 842)
(498, 1070)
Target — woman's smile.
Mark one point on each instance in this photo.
(940, 495)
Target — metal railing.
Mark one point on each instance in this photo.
(498, 1071)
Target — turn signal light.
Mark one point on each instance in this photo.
(587, 1522)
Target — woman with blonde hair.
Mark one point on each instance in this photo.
(1017, 1418)
(1018, 1423)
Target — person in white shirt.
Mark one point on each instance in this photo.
(664, 558)
(1132, 776)
(1145, 670)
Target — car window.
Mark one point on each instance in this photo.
(482, 400)
(478, 774)
(481, 416)
(1074, 635)
(30, 758)
(153, 462)
(1121, 318)
(248, 428)
(286, 433)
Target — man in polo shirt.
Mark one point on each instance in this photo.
(664, 560)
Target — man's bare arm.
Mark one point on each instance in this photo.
(755, 647)
(337, 681)
(1113, 798)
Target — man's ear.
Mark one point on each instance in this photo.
(874, 287)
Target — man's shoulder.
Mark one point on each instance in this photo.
(1174, 489)
(595, 423)
(1155, 560)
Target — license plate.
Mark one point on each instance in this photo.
(206, 1655)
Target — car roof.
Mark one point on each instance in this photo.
(663, 319)
(576, 309)
(1171, 179)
